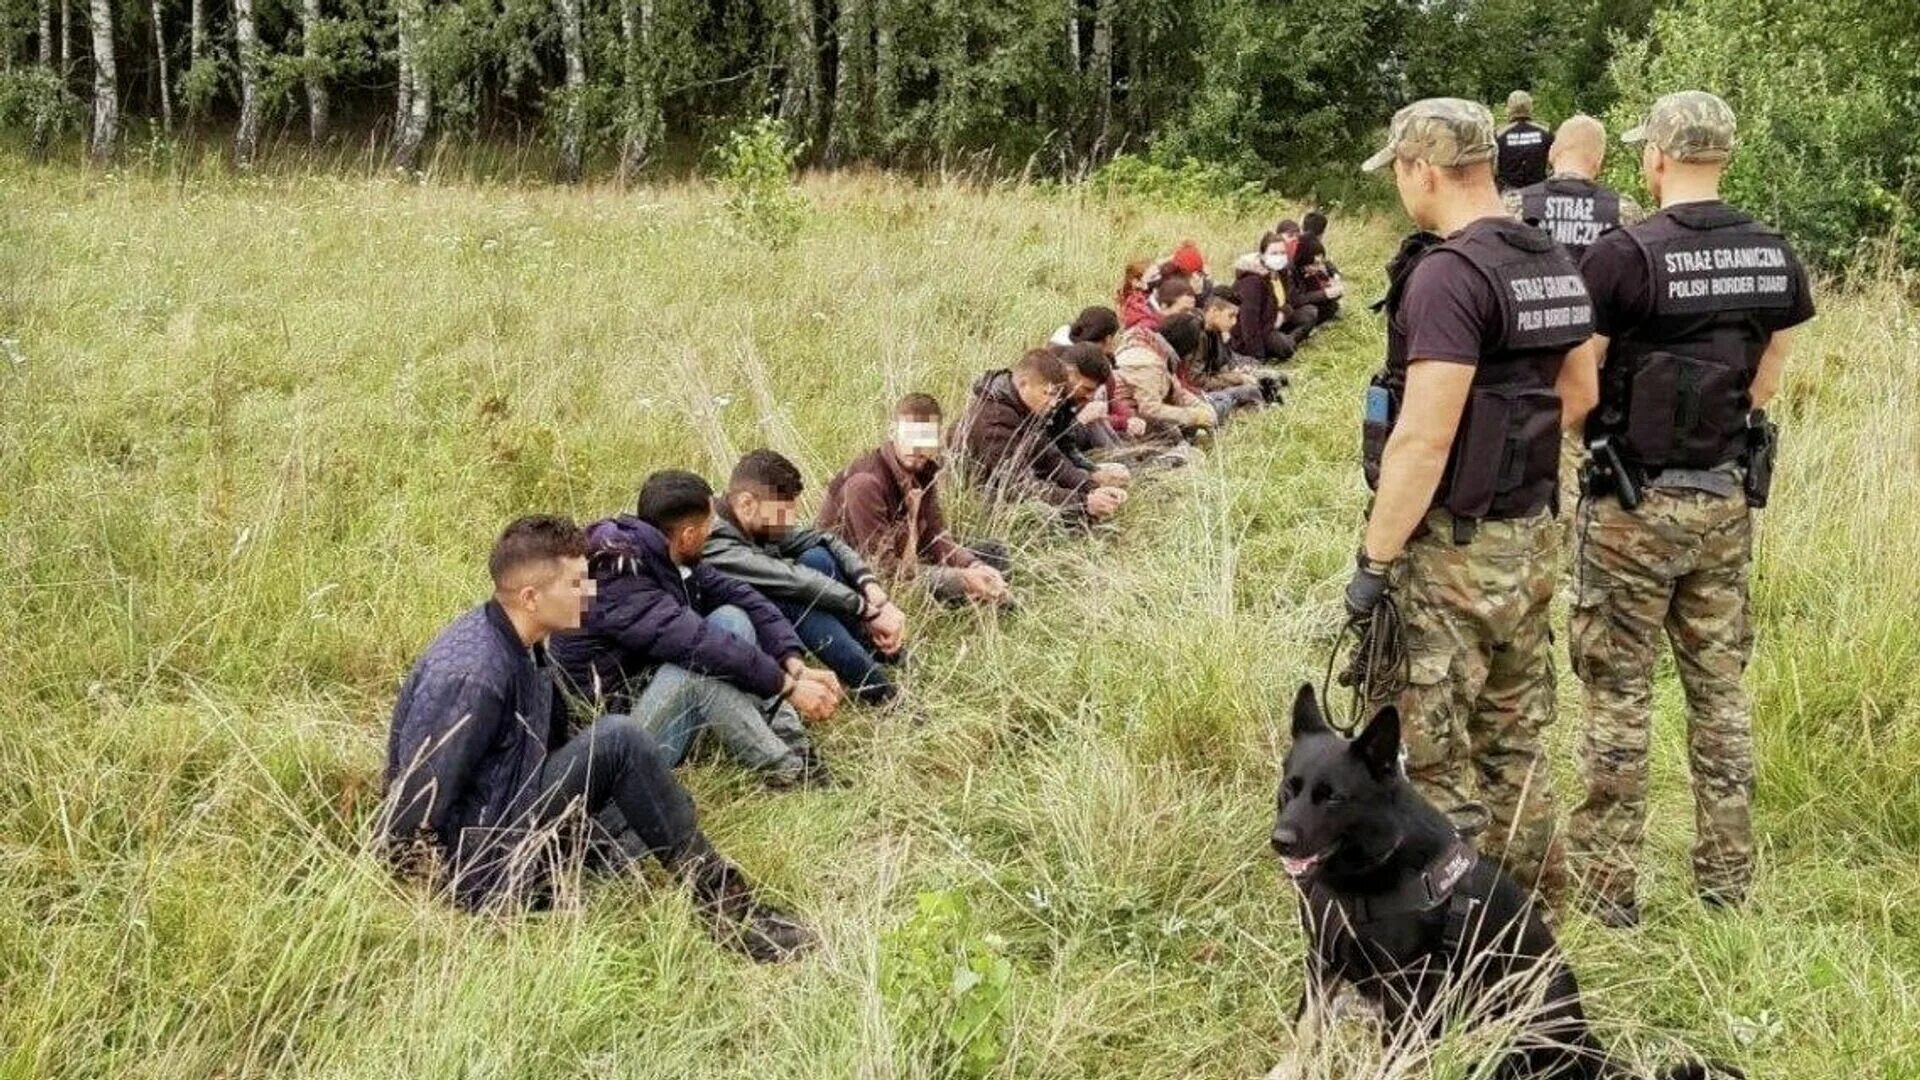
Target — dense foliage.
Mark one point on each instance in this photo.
(1271, 91)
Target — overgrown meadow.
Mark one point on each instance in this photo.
(259, 434)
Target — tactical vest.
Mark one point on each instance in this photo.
(1675, 390)
(1522, 155)
(1572, 211)
(1505, 460)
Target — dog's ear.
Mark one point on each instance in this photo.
(1307, 717)
(1379, 745)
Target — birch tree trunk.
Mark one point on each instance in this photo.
(197, 33)
(246, 139)
(886, 70)
(45, 14)
(42, 133)
(572, 133)
(640, 83)
(66, 38)
(1102, 70)
(318, 106)
(166, 77)
(106, 85)
(799, 99)
(853, 82)
(416, 90)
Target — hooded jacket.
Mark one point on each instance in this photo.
(1144, 365)
(772, 567)
(646, 614)
(472, 727)
(884, 509)
(1260, 309)
(1006, 449)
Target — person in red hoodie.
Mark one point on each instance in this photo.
(1135, 305)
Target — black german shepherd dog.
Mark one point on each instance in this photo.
(1397, 905)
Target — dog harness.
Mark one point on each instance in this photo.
(1440, 883)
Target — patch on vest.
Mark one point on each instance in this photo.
(1547, 310)
(1572, 220)
(1694, 276)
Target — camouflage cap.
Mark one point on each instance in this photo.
(1691, 125)
(1440, 131)
(1520, 103)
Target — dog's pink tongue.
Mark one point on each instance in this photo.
(1299, 867)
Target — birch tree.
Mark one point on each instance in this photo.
(416, 89)
(160, 59)
(314, 63)
(106, 85)
(800, 97)
(573, 123)
(641, 119)
(246, 138)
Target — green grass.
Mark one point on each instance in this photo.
(258, 435)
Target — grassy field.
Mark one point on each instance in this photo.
(258, 436)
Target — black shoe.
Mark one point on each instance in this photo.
(724, 900)
(1714, 900)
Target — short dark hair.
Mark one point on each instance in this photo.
(1287, 225)
(1096, 323)
(1088, 359)
(1172, 289)
(1042, 364)
(671, 496)
(918, 407)
(1224, 296)
(770, 472)
(1314, 223)
(536, 538)
(1183, 332)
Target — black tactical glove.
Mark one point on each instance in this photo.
(1367, 586)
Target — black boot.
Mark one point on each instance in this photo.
(724, 899)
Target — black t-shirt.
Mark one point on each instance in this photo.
(1617, 277)
(1449, 312)
(1522, 156)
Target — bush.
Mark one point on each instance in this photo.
(756, 169)
(947, 983)
(1189, 184)
(1827, 147)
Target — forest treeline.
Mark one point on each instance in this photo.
(1271, 91)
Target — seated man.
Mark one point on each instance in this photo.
(1078, 425)
(887, 504)
(688, 649)
(1218, 368)
(1313, 280)
(1145, 365)
(1100, 327)
(1004, 446)
(818, 582)
(483, 784)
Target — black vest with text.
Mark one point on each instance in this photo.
(1505, 461)
(1675, 389)
(1522, 155)
(1571, 210)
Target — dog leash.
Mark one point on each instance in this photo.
(1377, 669)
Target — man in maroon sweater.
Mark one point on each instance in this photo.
(887, 505)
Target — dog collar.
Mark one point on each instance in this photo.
(1432, 887)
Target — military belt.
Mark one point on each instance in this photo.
(1722, 482)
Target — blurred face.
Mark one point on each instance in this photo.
(1081, 389)
(1221, 317)
(1180, 305)
(552, 596)
(1110, 343)
(1036, 395)
(916, 441)
(763, 516)
(686, 538)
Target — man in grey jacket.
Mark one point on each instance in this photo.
(818, 580)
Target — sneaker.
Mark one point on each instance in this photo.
(724, 900)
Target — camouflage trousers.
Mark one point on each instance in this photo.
(1481, 685)
(1676, 565)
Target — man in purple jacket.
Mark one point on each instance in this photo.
(688, 649)
(486, 793)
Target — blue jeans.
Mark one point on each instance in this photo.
(677, 705)
(843, 648)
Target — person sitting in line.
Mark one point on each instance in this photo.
(484, 785)
(1288, 230)
(887, 504)
(1268, 329)
(1145, 366)
(1218, 367)
(1313, 279)
(817, 580)
(1133, 297)
(1173, 296)
(1003, 445)
(688, 649)
(1187, 336)
(1100, 327)
(1187, 262)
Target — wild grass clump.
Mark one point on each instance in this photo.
(259, 433)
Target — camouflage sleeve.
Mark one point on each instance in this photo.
(1631, 212)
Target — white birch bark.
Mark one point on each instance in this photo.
(166, 76)
(106, 85)
(319, 107)
(416, 90)
(572, 133)
(246, 137)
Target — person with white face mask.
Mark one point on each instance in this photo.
(1267, 330)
